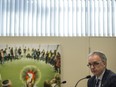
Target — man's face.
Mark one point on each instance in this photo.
(96, 65)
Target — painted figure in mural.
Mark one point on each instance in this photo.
(30, 78)
(58, 63)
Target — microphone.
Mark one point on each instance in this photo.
(87, 77)
(63, 82)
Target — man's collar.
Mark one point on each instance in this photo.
(101, 76)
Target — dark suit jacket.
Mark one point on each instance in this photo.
(108, 80)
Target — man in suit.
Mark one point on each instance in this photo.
(102, 77)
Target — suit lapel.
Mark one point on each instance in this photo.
(94, 81)
(104, 79)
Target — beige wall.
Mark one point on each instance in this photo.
(74, 54)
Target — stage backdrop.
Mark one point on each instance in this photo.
(37, 65)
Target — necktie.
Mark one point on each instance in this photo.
(97, 83)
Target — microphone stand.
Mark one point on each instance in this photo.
(55, 85)
(61, 83)
(87, 77)
(79, 81)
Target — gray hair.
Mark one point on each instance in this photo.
(100, 54)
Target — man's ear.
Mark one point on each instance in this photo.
(104, 63)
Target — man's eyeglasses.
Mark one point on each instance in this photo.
(94, 64)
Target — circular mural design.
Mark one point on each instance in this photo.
(30, 75)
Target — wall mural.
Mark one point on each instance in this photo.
(30, 65)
